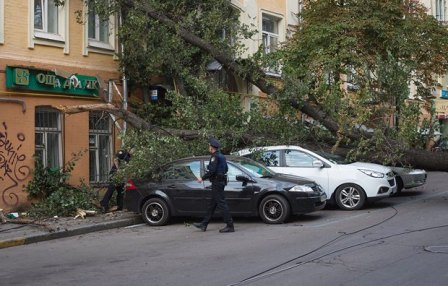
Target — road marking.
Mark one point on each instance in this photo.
(12, 242)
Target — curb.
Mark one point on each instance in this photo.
(71, 232)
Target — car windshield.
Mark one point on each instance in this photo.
(254, 168)
(336, 159)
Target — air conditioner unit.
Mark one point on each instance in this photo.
(444, 94)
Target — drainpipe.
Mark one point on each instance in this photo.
(125, 82)
(125, 100)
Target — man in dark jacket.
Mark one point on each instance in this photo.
(121, 158)
(217, 174)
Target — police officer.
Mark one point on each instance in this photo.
(121, 158)
(217, 174)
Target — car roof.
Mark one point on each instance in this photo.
(207, 157)
(268, 148)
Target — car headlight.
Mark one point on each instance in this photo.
(372, 173)
(301, 188)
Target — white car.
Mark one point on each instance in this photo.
(349, 185)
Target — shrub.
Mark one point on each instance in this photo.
(55, 197)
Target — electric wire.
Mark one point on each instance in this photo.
(318, 248)
(266, 275)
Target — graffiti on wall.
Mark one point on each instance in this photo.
(13, 170)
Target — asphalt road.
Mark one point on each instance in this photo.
(398, 241)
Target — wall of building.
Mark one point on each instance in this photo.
(252, 14)
(17, 106)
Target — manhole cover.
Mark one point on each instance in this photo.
(437, 249)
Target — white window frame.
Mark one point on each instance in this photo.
(268, 36)
(41, 37)
(95, 45)
(440, 10)
(46, 131)
(97, 133)
(2, 21)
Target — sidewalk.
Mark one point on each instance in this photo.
(14, 234)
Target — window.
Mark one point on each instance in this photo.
(298, 159)
(269, 33)
(252, 103)
(48, 137)
(271, 158)
(233, 172)
(270, 37)
(100, 32)
(100, 139)
(2, 18)
(190, 171)
(45, 16)
(48, 20)
(49, 24)
(268, 158)
(98, 29)
(440, 10)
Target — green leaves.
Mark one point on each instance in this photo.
(357, 59)
(53, 195)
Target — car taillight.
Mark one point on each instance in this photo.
(130, 186)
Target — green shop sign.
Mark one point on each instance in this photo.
(48, 81)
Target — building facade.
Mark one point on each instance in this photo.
(274, 21)
(48, 59)
(439, 9)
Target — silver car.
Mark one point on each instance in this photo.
(409, 178)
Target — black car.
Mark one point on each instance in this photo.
(252, 190)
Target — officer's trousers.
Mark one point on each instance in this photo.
(108, 195)
(218, 201)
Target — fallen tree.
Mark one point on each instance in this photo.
(436, 161)
(335, 40)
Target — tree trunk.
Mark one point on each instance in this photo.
(434, 161)
(430, 161)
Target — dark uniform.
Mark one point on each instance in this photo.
(217, 174)
(122, 157)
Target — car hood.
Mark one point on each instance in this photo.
(291, 180)
(403, 170)
(371, 166)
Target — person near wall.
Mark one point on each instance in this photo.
(122, 157)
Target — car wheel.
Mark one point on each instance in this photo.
(274, 209)
(400, 184)
(350, 197)
(155, 212)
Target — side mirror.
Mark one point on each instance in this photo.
(318, 164)
(243, 178)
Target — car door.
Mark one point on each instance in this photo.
(238, 195)
(299, 163)
(179, 181)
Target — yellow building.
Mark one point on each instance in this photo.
(274, 21)
(48, 59)
(439, 9)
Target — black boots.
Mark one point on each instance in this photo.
(203, 227)
(228, 228)
(200, 226)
